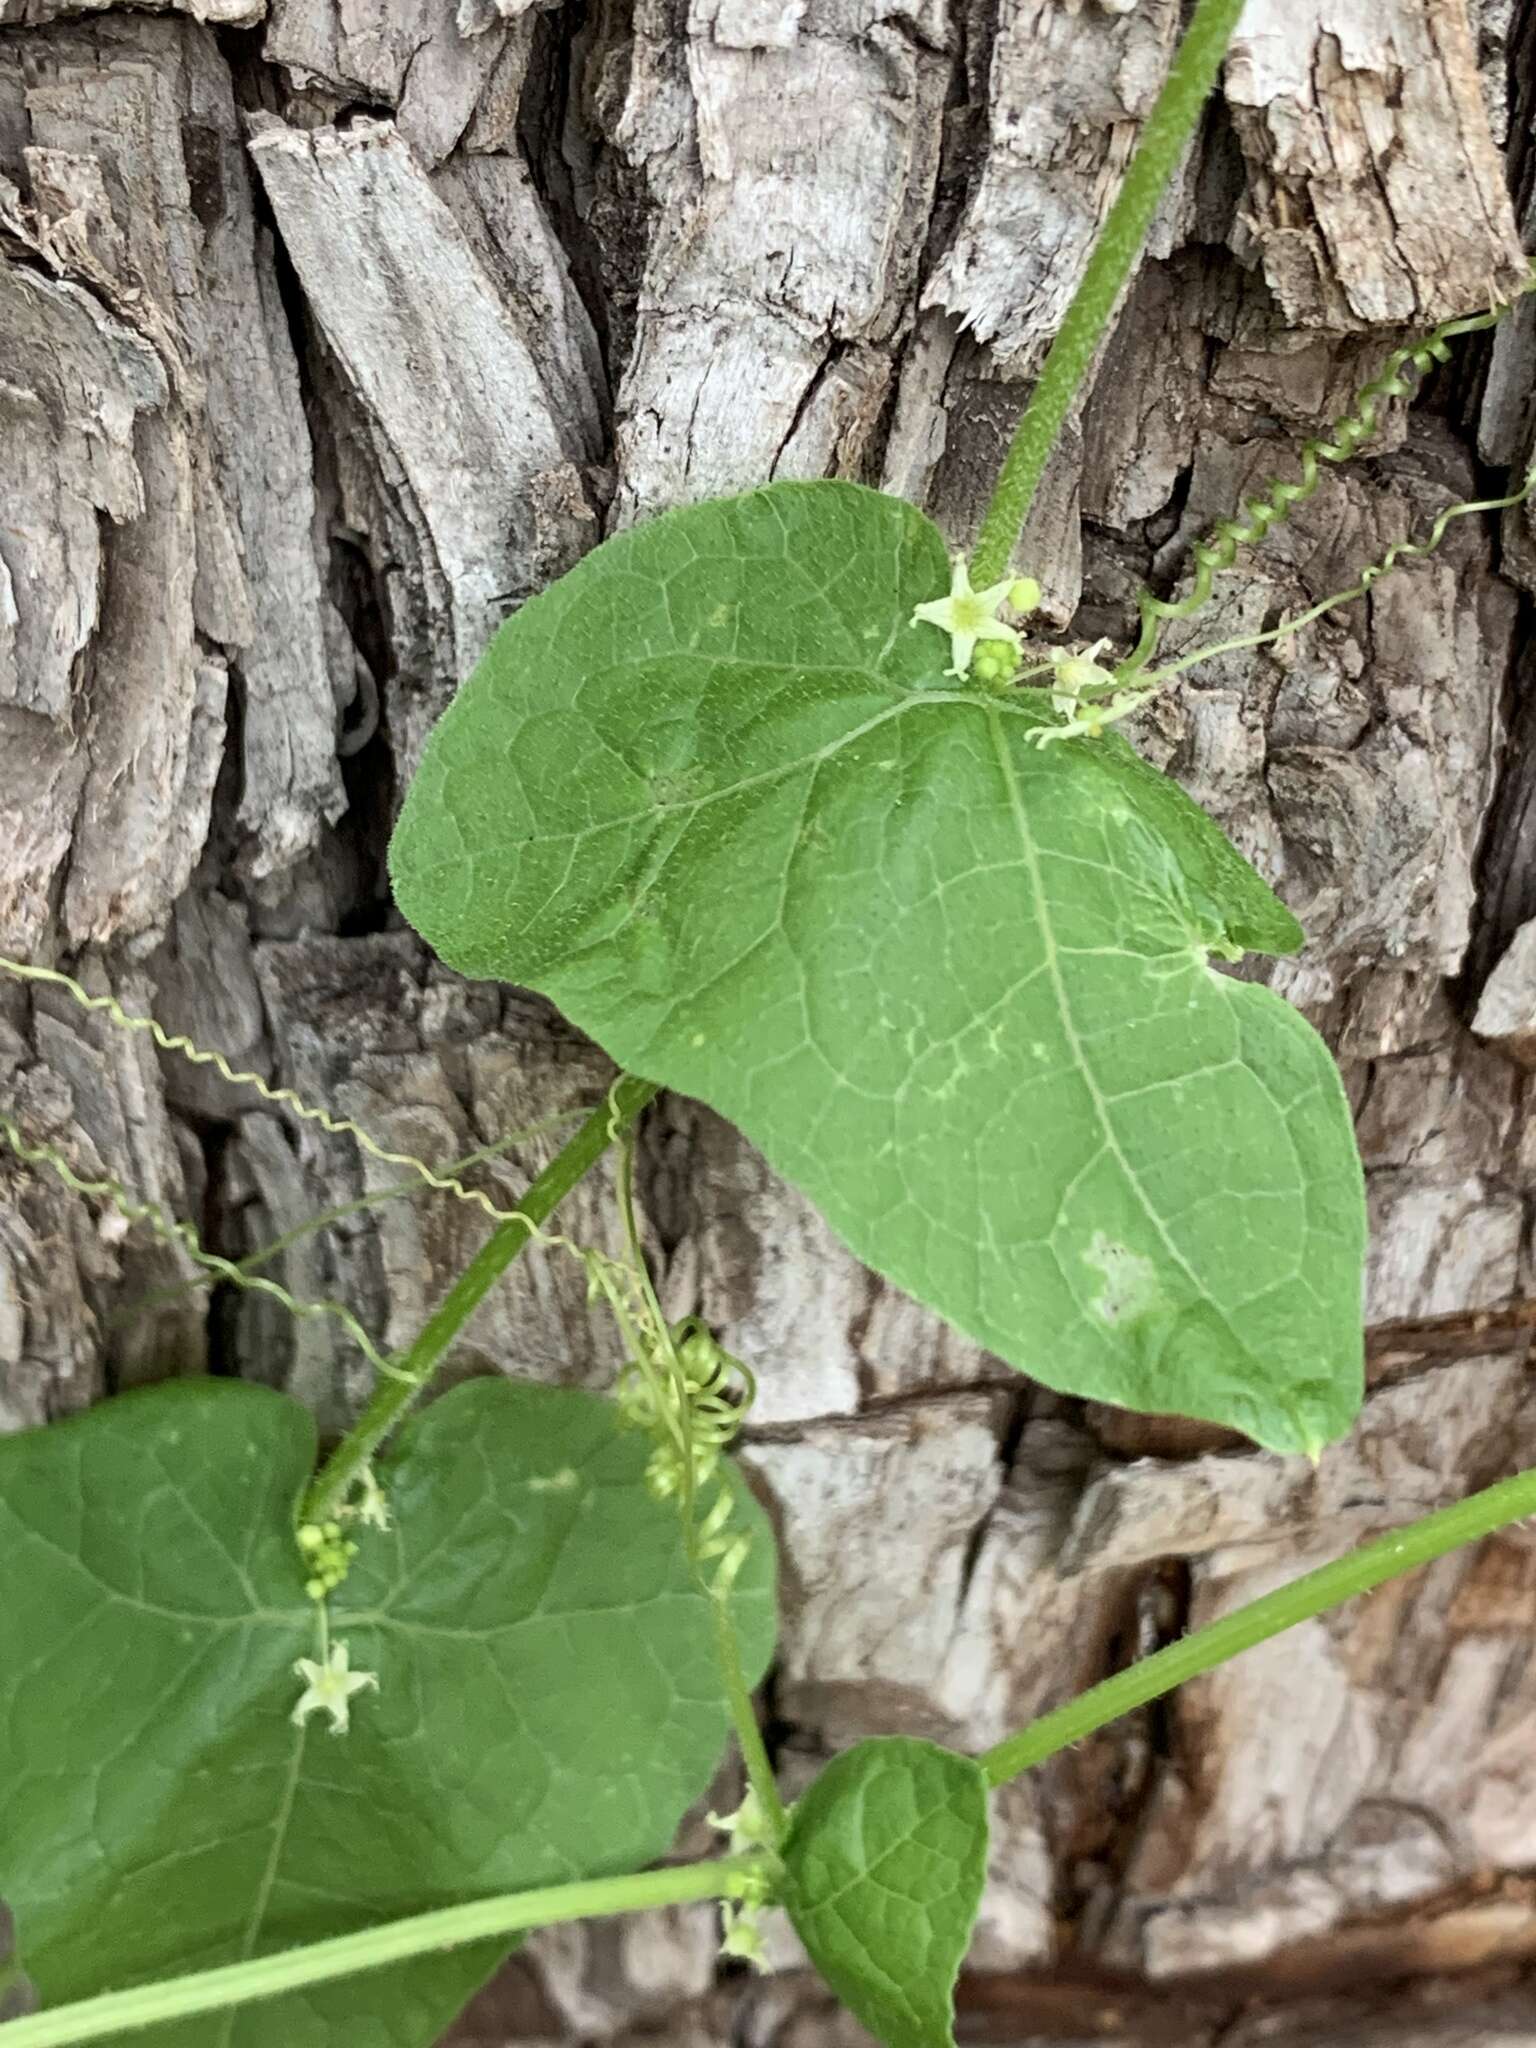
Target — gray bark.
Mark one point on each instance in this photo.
(328, 333)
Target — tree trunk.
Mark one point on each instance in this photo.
(332, 329)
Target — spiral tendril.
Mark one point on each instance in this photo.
(1126, 698)
(170, 1231)
(279, 1098)
(1398, 378)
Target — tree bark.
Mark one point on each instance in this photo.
(330, 330)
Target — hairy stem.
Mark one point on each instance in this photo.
(1312, 1594)
(1169, 126)
(119, 2012)
(581, 1152)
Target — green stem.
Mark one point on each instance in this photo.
(581, 1152)
(754, 1752)
(119, 2012)
(1332, 1584)
(1169, 126)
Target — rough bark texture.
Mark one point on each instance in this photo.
(330, 330)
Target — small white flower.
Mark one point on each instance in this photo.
(751, 1890)
(968, 615)
(1077, 674)
(746, 1828)
(373, 1509)
(328, 1688)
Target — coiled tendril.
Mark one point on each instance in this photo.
(1398, 377)
(694, 1415)
(280, 1098)
(170, 1231)
(1123, 698)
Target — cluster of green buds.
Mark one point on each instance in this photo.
(328, 1555)
(995, 665)
(326, 1548)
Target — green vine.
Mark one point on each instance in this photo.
(690, 1397)
(1115, 254)
(1316, 1593)
(716, 797)
(343, 1470)
(321, 1962)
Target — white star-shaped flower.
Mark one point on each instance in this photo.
(1078, 675)
(328, 1688)
(968, 615)
(1087, 696)
(373, 1509)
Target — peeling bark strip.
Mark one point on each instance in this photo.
(159, 372)
(470, 423)
(1375, 190)
(307, 340)
(789, 154)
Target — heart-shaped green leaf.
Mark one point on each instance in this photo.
(712, 793)
(547, 1700)
(885, 1864)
